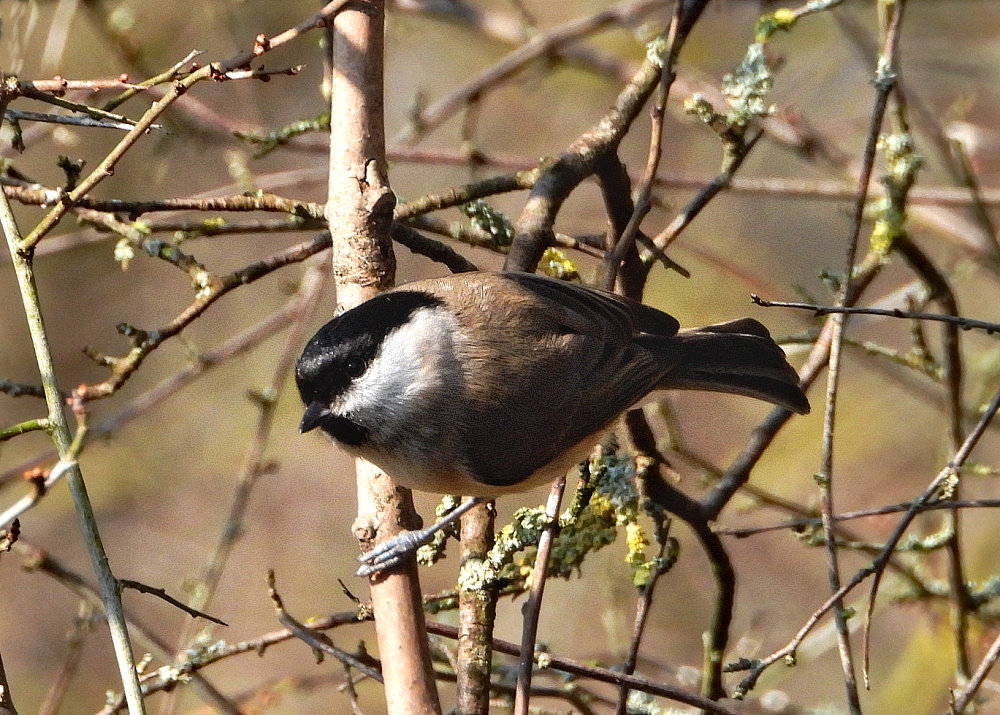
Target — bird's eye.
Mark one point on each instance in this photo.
(354, 368)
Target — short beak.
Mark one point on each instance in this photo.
(315, 413)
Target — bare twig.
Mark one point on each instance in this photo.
(580, 160)
(310, 289)
(811, 522)
(623, 244)
(359, 211)
(204, 362)
(18, 115)
(68, 448)
(820, 310)
(83, 624)
(155, 682)
(304, 304)
(144, 342)
(38, 560)
(539, 45)
(939, 289)
(876, 568)
(965, 697)
(529, 626)
(215, 71)
(314, 638)
(603, 675)
(162, 593)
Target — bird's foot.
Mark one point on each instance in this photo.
(392, 552)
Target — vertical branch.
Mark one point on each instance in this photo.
(642, 611)
(885, 82)
(624, 245)
(533, 607)
(58, 428)
(690, 511)
(477, 606)
(359, 212)
(359, 203)
(885, 78)
(940, 291)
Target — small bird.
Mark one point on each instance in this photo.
(486, 383)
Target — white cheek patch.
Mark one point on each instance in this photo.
(407, 364)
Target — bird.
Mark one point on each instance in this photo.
(486, 383)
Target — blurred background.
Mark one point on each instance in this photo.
(163, 482)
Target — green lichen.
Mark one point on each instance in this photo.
(746, 91)
(605, 505)
(124, 252)
(902, 162)
(557, 264)
(266, 143)
(771, 23)
(656, 50)
(748, 87)
(490, 220)
(429, 554)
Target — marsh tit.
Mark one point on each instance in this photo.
(486, 383)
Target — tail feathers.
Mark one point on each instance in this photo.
(738, 357)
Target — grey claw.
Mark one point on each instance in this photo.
(392, 552)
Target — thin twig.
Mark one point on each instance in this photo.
(604, 675)
(941, 481)
(939, 289)
(83, 624)
(577, 162)
(162, 594)
(60, 432)
(19, 115)
(642, 611)
(623, 244)
(156, 682)
(877, 566)
(885, 82)
(310, 289)
(36, 559)
(539, 45)
(825, 477)
(532, 609)
(964, 698)
(314, 638)
(107, 165)
(144, 342)
(215, 71)
(739, 471)
(821, 310)
(812, 522)
(140, 405)
(705, 194)
(304, 304)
